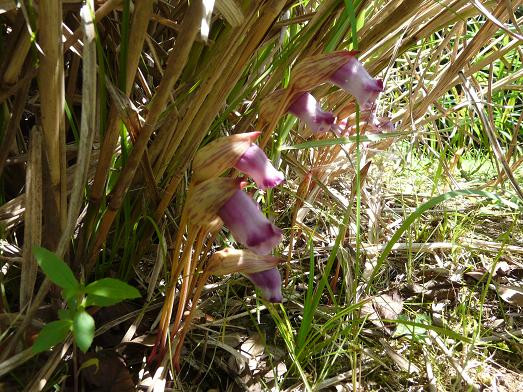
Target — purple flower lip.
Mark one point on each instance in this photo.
(307, 109)
(267, 238)
(269, 282)
(255, 164)
(354, 78)
(248, 225)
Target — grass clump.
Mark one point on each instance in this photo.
(397, 230)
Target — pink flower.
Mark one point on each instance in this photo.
(255, 164)
(306, 108)
(354, 78)
(248, 225)
(381, 125)
(220, 154)
(269, 282)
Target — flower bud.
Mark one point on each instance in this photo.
(220, 155)
(207, 198)
(316, 70)
(354, 78)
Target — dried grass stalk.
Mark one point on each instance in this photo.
(491, 134)
(17, 58)
(14, 122)
(87, 127)
(52, 98)
(450, 76)
(32, 216)
(230, 11)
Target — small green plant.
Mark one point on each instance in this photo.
(74, 318)
(413, 330)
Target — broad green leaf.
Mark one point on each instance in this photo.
(65, 314)
(96, 300)
(56, 270)
(416, 330)
(112, 288)
(50, 335)
(83, 330)
(70, 294)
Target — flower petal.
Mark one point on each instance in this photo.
(354, 78)
(248, 225)
(307, 109)
(255, 164)
(269, 282)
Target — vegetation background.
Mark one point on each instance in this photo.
(403, 275)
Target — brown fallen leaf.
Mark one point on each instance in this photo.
(383, 307)
(511, 294)
(476, 275)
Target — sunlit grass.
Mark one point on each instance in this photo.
(399, 248)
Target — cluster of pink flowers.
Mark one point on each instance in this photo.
(344, 70)
(243, 217)
(237, 210)
(223, 197)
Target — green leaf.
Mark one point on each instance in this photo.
(70, 294)
(56, 270)
(112, 288)
(52, 334)
(415, 330)
(83, 330)
(96, 300)
(65, 314)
